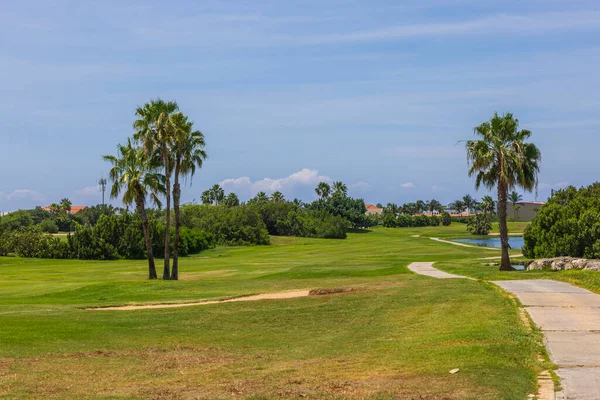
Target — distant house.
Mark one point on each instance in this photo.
(74, 209)
(525, 210)
(373, 210)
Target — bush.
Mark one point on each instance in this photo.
(446, 219)
(48, 225)
(568, 225)
(316, 224)
(230, 226)
(352, 210)
(480, 224)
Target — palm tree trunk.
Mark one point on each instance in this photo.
(505, 264)
(167, 265)
(142, 213)
(176, 200)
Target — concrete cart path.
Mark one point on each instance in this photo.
(570, 320)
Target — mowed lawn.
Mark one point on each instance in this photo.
(395, 336)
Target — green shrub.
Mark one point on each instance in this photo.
(390, 221)
(568, 225)
(480, 224)
(230, 226)
(446, 219)
(48, 225)
(316, 224)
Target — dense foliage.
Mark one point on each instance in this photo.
(568, 225)
(480, 224)
(351, 209)
(112, 237)
(407, 221)
(446, 219)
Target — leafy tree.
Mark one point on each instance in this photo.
(187, 148)
(134, 174)
(514, 198)
(379, 205)
(480, 224)
(323, 190)
(15, 220)
(446, 219)
(391, 208)
(340, 189)
(155, 132)
(277, 197)
(503, 158)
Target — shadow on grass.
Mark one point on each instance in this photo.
(354, 230)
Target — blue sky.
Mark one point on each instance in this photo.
(287, 93)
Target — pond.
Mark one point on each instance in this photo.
(515, 242)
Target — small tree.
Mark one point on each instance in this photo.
(446, 219)
(480, 224)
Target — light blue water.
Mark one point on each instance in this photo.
(516, 242)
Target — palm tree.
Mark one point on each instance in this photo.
(205, 197)
(504, 159)
(340, 188)
(458, 206)
(155, 133)
(433, 205)
(217, 194)
(187, 149)
(323, 189)
(135, 174)
(231, 200)
(261, 196)
(514, 198)
(65, 205)
(420, 204)
(487, 205)
(469, 202)
(391, 208)
(277, 197)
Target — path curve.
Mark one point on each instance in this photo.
(463, 244)
(569, 317)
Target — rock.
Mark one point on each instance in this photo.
(455, 370)
(564, 263)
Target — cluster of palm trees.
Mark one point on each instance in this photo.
(165, 145)
(414, 208)
(325, 190)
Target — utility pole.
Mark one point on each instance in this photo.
(102, 183)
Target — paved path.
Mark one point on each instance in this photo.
(570, 319)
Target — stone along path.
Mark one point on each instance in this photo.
(570, 320)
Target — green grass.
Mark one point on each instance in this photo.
(397, 334)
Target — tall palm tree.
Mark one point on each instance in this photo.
(277, 197)
(231, 200)
(323, 190)
(469, 202)
(458, 206)
(187, 149)
(392, 208)
(514, 198)
(154, 131)
(504, 159)
(205, 198)
(261, 196)
(339, 188)
(217, 194)
(487, 205)
(420, 204)
(135, 174)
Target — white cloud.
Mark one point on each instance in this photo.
(23, 194)
(245, 186)
(89, 191)
(558, 185)
(408, 185)
(359, 187)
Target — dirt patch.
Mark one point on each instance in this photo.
(324, 291)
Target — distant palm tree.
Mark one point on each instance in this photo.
(323, 190)
(392, 208)
(298, 202)
(469, 202)
(503, 158)
(217, 194)
(261, 196)
(153, 130)
(458, 206)
(433, 205)
(205, 197)
(420, 206)
(277, 197)
(136, 175)
(231, 200)
(187, 149)
(487, 205)
(339, 188)
(65, 205)
(514, 198)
